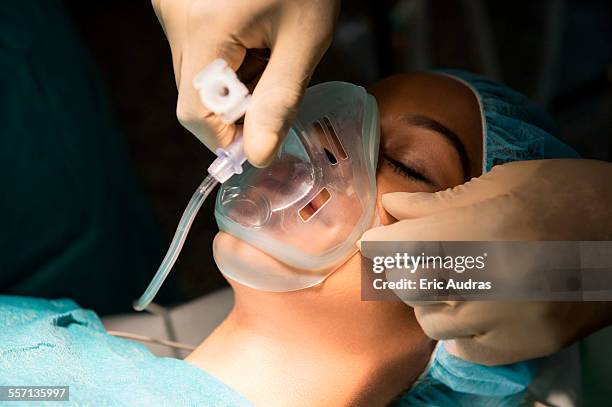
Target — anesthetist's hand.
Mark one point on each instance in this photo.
(297, 32)
(530, 200)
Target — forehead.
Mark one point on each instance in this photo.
(439, 97)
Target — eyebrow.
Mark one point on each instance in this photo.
(428, 123)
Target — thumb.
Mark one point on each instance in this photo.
(467, 223)
(411, 230)
(276, 97)
(406, 205)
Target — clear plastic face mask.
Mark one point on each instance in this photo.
(309, 207)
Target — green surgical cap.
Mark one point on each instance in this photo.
(514, 127)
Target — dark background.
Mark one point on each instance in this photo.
(555, 51)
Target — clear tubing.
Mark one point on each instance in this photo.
(178, 240)
(222, 92)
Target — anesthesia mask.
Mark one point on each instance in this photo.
(308, 208)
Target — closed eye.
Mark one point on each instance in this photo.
(402, 169)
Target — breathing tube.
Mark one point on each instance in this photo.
(221, 92)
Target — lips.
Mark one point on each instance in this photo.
(309, 210)
(315, 204)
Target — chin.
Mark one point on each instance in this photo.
(244, 264)
(231, 253)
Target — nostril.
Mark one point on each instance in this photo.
(327, 148)
(334, 137)
(331, 157)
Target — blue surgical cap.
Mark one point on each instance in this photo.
(514, 127)
(453, 382)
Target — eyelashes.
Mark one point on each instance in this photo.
(404, 170)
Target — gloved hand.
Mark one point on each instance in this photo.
(297, 32)
(562, 199)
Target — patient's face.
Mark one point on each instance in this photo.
(431, 139)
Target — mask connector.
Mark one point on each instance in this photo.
(229, 160)
(222, 93)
